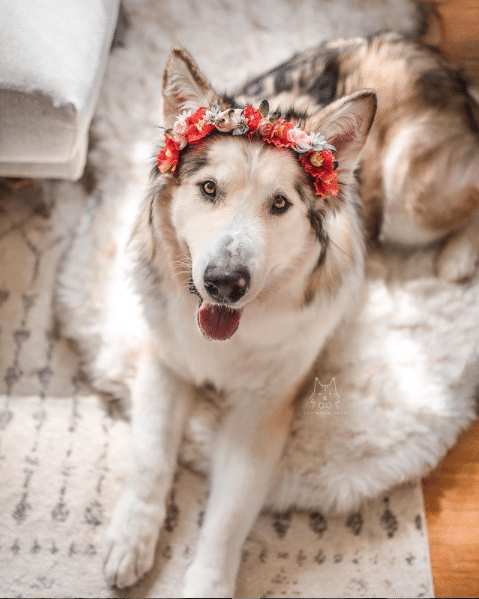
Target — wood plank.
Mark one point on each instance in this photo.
(460, 25)
(451, 492)
(451, 497)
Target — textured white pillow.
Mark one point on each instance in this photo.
(52, 59)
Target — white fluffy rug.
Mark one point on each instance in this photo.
(404, 370)
(394, 388)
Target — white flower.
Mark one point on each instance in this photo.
(183, 116)
(230, 120)
(179, 129)
(319, 143)
(213, 113)
(300, 138)
(224, 124)
(241, 126)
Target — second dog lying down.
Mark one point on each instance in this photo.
(419, 170)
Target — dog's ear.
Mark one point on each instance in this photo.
(184, 86)
(346, 124)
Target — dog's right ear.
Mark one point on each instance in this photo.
(184, 86)
(345, 124)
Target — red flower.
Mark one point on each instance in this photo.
(327, 166)
(265, 128)
(195, 132)
(192, 129)
(253, 117)
(169, 156)
(325, 179)
(328, 160)
(196, 116)
(279, 134)
(324, 189)
(196, 127)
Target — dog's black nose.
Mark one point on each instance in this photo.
(226, 286)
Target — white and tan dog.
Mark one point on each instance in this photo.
(233, 273)
(275, 267)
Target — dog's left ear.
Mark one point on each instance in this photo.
(346, 124)
(184, 86)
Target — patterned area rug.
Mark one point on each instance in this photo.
(64, 449)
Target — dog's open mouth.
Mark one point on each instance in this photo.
(217, 321)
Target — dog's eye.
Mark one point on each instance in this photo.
(209, 189)
(279, 205)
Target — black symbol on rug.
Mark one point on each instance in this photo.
(389, 521)
(172, 513)
(94, 514)
(418, 522)
(281, 522)
(318, 523)
(22, 509)
(60, 512)
(355, 523)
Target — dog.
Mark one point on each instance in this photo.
(419, 172)
(246, 254)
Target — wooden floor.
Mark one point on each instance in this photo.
(460, 32)
(451, 496)
(451, 492)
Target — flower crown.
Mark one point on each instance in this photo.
(314, 153)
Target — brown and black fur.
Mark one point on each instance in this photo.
(412, 82)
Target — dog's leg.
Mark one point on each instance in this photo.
(458, 260)
(249, 444)
(159, 407)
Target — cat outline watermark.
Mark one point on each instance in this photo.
(325, 399)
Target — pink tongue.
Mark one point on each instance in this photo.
(218, 322)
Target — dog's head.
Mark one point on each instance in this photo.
(242, 214)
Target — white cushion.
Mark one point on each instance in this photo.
(53, 55)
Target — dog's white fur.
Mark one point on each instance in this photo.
(142, 339)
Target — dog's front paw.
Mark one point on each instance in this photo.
(131, 541)
(206, 582)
